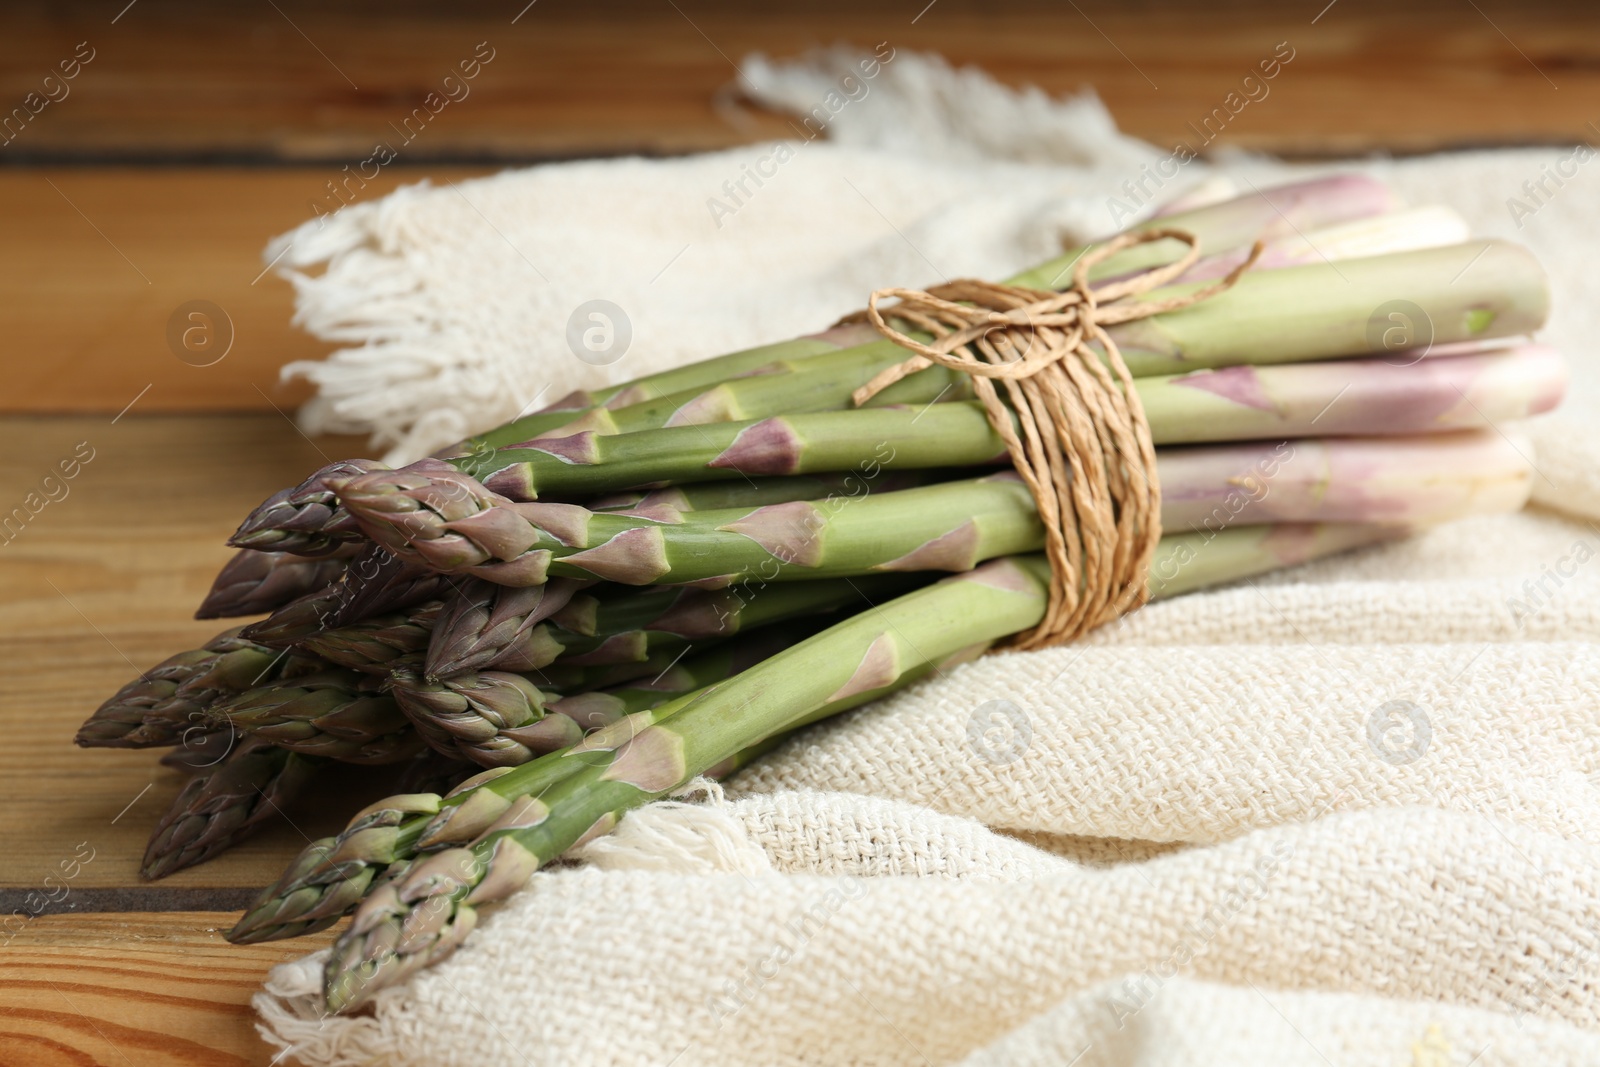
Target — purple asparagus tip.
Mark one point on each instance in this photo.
(254, 582)
(305, 519)
(412, 512)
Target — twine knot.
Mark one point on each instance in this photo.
(1071, 418)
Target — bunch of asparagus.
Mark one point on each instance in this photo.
(581, 611)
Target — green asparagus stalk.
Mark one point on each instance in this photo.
(499, 718)
(1466, 292)
(1235, 403)
(564, 678)
(914, 529)
(1357, 397)
(485, 625)
(755, 492)
(377, 583)
(827, 382)
(1272, 215)
(336, 714)
(496, 718)
(172, 697)
(421, 913)
(489, 626)
(454, 524)
(296, 620)
(254, 582)
(1415, 481)
(598, 708)
(225, 803)
(761, 360)
(375, 645)
(333, 874)
(819, 383)
(291, 521)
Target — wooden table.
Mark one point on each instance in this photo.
(197, 132)
(99, 585)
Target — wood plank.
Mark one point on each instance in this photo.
(179, 79)
(100, 584)
(97, 264)
(102, 581)
(134, 989)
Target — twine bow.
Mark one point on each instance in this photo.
(1074, 426)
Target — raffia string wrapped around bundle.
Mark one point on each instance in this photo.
(1074, 426)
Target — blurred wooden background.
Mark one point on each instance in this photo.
(191, 133)
(197, 131)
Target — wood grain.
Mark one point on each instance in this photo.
(101, 584)
(179, 79)
(97, 260)
(96, 263)
(134, 989)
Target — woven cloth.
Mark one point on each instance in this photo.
(1344, 813)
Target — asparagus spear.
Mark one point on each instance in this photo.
(253, 582)
(1273, 214)
(496, 717)
(1270, 214)
(1396, 231)
(375, 583)
(455, 524)
(914, 529)
(754, 492)
(763, 359)
(597, 708)
(372, 645)
(225, 803)
(564, 678)
(827, 382)
(376, 645)
(319, 886)
(1355, 397)
(305, 519)
(489, 626)
(335, 713)
(290, 521)
(1234, 403)
(424, 910)
(819, 383)
(485, 625)
(331, 876)
(1464, 292)
(1416, 481)
(172, 697)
